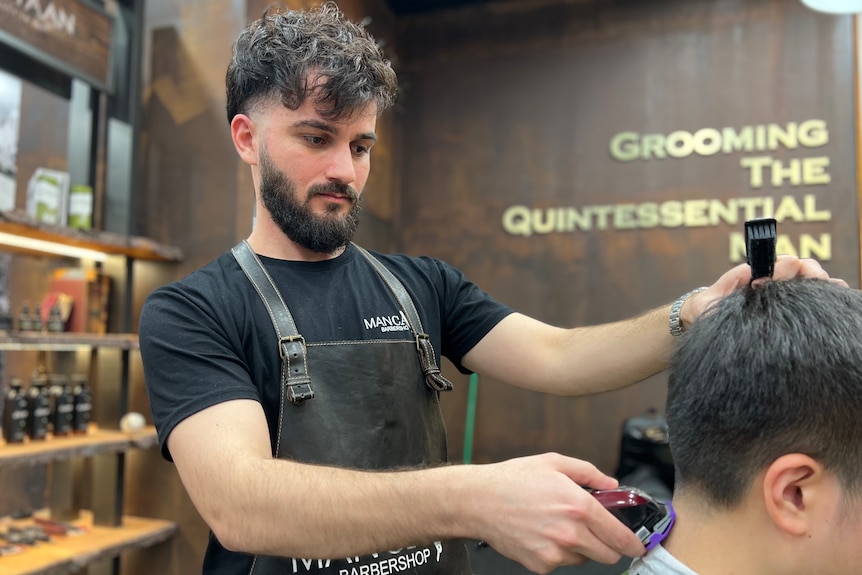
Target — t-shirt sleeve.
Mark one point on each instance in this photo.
(468, 314)
(190, 357)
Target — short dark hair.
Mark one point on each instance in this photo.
(274, 56)
(769, 370)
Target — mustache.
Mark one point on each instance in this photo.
(334, 189)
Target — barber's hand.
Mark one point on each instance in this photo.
(534, 511)
(786, 267)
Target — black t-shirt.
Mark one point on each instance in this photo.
(207, 338)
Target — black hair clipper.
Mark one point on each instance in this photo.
(760, 236)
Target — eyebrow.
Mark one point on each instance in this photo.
(330, 129)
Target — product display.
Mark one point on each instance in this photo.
(86, 294)
(15, 413)
(55, 321)
(53, 436)
(5, 320)
(55, 404)
(76, 300)
(48, 196)
(10, 549)
(38, 324)
(27, 534)
(25, 320)
(63, 410)
(54, 527)
(82, 402)
(81, 207)
(38, 408)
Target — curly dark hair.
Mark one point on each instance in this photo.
(276, 55)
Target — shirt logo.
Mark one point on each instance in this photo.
(406, 560)
(387, 323)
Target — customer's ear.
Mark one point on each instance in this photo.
(796, 490)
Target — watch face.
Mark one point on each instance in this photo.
(650, 519)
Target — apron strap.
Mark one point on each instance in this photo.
(291, 345)
(427, 359)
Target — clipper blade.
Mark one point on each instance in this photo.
(760, 237)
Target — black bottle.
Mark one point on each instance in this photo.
(62, 412)
(15, 413)
(38, 407)
(82, 402)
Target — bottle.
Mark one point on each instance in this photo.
(37, 318)
(38, 408)
(55, 319)
(25, 322)
(81, 206)
(82, 402)
(64, 404)
(15, 413)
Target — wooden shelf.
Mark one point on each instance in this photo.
(95, 442)
(18, 223)
(69, 553)
(65, 341)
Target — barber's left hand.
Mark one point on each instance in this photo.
(786, 267)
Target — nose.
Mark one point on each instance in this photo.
(341, 167)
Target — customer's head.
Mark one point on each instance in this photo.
(290, 56)
(764, 410)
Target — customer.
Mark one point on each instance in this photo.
(764, 409)
(359, 468)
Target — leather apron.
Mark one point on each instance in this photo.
(363, 405)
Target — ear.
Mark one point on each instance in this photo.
(244, 133)
(795, 490)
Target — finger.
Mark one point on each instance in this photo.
(732, 279)
(788, 267)
(613, 534)
(812, 269)
(571, 557)
(585, 473)
(595, 547)
(546, 564)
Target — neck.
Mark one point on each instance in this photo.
(713, 541)
(268, 240)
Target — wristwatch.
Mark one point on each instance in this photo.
(676, 307)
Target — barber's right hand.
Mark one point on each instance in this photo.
(534, 511)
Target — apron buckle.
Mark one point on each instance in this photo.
(288, 344)
(295, 378)
(299, 392)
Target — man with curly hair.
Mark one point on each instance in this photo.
(295, 383)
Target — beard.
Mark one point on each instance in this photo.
(321, 233)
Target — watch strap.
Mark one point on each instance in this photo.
(676, 307)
